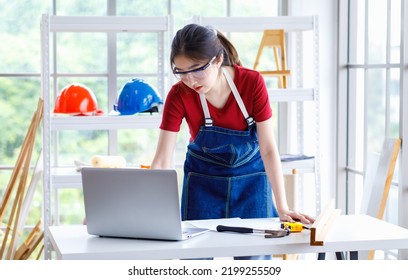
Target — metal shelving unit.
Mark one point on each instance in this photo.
(54, 176)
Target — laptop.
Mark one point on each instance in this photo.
(134, 203)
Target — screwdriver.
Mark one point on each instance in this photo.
(268, 233)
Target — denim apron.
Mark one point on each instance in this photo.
(224, 176)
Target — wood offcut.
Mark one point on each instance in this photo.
(323, 224)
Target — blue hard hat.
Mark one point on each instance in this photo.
(137, 96)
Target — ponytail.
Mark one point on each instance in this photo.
(231, 56)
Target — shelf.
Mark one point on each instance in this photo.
(105, 122)
(301, 166)
(65, 177)
(288, 95)
(61, 122)
(108, 23)
(251, 24)
(68, 177)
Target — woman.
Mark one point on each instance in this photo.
(232, 159)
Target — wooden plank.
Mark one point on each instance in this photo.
(31, 242)
(17, 169)
(291, 181)
(36, 242)
(274, 39)
(20, 173)
(21, 191)
(323, 224)
(275, 72)
(21, 166)
(28, 198)
(377, 193)
(388, 162)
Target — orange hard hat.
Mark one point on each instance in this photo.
(77, 99)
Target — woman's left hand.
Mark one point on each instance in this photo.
(292, 216)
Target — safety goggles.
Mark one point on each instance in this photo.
(198, 73)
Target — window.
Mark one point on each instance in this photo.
(19, 87)
(371, 78)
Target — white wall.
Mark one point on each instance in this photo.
(328, 19)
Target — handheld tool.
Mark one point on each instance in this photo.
(293, 226)
(268, 233)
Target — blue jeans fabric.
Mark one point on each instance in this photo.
(224, 177)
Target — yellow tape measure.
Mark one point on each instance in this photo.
(293, 226)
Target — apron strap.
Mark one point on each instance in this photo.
(204, 105)
(249, 120)
(208, 119)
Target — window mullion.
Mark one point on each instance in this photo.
(388, 70)
(403, 176)
(365, 122)
(112, 76)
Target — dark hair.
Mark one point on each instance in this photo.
(200, 43)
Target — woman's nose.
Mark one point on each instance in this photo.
(189, 79)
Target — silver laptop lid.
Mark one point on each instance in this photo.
(133, 203)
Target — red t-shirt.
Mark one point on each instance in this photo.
(184, 102)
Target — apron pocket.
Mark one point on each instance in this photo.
(205, 197)
(228, 155)
(213, 197)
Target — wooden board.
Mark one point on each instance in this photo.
(323, 224)
(377, 182)
(377, 193)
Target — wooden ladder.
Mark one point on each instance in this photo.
(275, 39)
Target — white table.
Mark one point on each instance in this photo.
(350, 233)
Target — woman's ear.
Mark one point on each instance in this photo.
(219, 60)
